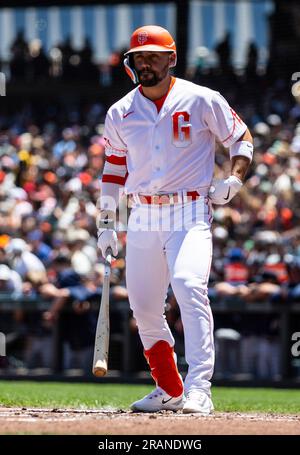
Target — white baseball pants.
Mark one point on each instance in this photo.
(161, 250)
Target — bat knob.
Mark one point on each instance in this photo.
(100, 369)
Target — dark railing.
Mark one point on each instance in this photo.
(124, 340)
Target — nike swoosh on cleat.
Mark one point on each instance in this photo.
(128, 113)
(166, 401)
(226, 198)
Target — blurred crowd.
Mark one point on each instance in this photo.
(30, 63)
(49, 186)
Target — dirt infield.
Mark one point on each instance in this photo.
(118, 422)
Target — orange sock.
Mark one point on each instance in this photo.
(163, 368)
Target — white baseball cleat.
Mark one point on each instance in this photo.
(198, 401)
(158, 400)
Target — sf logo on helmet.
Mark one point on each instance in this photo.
(142, 37)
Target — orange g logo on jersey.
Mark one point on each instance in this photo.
(181, 129)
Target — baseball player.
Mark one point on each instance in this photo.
(160, 148)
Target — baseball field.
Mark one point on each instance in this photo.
(103, 409)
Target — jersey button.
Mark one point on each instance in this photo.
(157, 147)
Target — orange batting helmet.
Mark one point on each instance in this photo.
(148, 38)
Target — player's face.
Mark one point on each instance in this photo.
(151, 67)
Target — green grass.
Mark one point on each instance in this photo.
(85, 396)
(283, 401)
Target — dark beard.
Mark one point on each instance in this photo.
(155, 79)
(149, 82)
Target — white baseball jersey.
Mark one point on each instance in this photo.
(171, 150)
